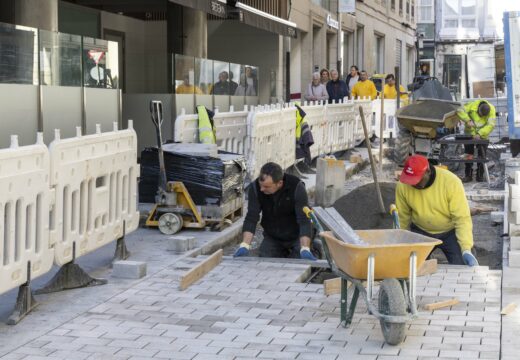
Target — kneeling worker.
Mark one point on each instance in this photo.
(280, 198)
(431, 201)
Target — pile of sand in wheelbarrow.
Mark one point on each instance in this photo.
(360, 207)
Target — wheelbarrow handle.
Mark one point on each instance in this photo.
(310, 214)
(395, 216)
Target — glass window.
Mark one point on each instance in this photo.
(234, 78)
(451, 23)
(248, 84)
(18, 55)
(60, 59)
(221, 83)
(468, 7)
(203, 75)
(451, 7)
(184, 75)
(100, 63)
(468, 23)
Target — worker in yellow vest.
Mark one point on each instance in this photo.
(479, 118)
(304, 139)
(431, 201)
(207, 133)
(364, 87)
(391, 92)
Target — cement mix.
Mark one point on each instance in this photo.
(360, 207)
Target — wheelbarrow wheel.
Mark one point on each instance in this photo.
(392, 302)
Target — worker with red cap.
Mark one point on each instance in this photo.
(431, 201)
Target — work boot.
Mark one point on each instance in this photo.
(468, 176)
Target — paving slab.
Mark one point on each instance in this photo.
(151, 318)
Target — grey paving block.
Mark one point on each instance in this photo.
(180, 244)
(128, 269)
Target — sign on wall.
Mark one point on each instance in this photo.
(347, 6)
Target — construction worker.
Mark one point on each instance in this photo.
(364, 87)
(304, 139)
(431, 201)
(391, 92)
(207, 134)
(479, 119)
(280, 199)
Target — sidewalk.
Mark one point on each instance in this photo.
(256, 309)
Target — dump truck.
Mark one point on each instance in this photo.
(430, 117)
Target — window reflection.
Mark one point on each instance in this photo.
(204, 75)
(100, 61)
(234, 76)
(60, 59)
(221, 85)
(18, 55)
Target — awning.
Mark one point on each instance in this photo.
(243, 13)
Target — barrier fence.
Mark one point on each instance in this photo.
(64, 201)
(267, 133)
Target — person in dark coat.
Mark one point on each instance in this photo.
(336, 88)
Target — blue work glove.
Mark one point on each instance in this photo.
(469, 259)
(305, 253)
(243, 250)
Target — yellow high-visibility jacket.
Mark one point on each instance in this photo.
(391, 92)
(484, 125)
(364, 89)
(437, 209)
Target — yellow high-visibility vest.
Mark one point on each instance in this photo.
(206, 131)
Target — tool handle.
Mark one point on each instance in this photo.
(395, 216)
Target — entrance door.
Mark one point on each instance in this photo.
(119, 37)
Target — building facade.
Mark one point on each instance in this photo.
(458, 45)
(376, 36)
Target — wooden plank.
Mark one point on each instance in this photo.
(200, 270)
(508, 309)
(428, 267)
(333, 286)
(441, 304)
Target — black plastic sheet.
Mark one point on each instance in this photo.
(209, 180)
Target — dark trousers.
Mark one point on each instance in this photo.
(481, 151)
(450, 246)
(278, 248)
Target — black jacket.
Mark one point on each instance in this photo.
(282, 212)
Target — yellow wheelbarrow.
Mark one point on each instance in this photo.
(389, 256)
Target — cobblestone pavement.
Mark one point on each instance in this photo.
(257, 309)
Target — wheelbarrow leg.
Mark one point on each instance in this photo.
(346, 316)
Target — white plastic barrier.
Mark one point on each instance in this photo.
(359, 135)
(390, 121)
(271, 134)
(317, 120)
(95, 183)
(341, 120)
(24, 213)
(231, 129)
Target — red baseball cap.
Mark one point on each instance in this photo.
(414, 168)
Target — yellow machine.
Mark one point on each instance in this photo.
(174, 208)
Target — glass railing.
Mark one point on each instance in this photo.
(40, 57)
(199, 76)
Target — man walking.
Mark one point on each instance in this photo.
(280, 199)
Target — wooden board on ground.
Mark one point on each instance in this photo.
(428, 267)
(200, 270)
(441, 304)
(333, 286)
(508, 309)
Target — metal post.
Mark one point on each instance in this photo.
(370, 276)
(398, 86)
(382, 125)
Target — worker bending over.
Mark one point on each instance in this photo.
(390, 91)
(431, 201)
(479, 119)
(364, 87)
(280, 198)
